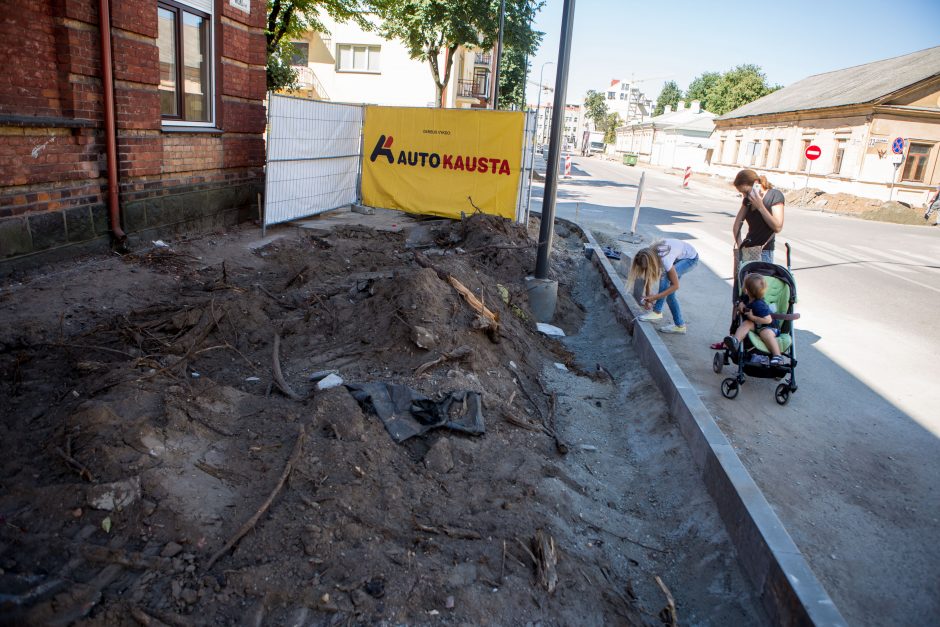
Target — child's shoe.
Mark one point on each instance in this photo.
(731, 343)
(776, 360)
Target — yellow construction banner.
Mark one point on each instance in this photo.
(442, 162)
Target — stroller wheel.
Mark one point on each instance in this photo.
(730, 388)
(718, 362)
(782, 395)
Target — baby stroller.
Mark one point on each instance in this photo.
(753, 357)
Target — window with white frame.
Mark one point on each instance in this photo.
(184, 41)
(358, 58)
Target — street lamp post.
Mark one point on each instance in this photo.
(542, 291)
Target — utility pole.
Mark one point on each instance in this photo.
(499, 52)
(543, 293)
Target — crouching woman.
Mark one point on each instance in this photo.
(659, 266)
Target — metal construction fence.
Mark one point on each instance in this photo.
(314, 157)
(315, 154)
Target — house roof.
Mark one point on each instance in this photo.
(860, 84)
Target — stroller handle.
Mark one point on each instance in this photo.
(787, 246)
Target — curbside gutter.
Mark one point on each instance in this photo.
(788, 588)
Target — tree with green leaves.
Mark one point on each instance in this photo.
(737, 87)
(288, 19)
(433, 30)
(611, 123)
(595, 109)
(670, 95)
(519, 43)
(700, 86)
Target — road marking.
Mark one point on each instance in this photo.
(884, 258)
(817, 249)
(928, 263)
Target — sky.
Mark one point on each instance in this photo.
(679, 39)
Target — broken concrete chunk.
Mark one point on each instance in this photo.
(549, 329)
(440, 458)
(330, 381)
(114, 496)
(172, 549)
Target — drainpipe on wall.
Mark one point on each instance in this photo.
(110, 127)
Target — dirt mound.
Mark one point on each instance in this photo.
(163, 461)
(857, 206)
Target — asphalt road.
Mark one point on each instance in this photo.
(852, 463)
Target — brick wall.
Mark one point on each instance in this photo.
(53, 166)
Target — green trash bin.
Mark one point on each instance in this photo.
(629, 158)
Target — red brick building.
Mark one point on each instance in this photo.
(188, 81)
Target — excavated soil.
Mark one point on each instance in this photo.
(856, 206)
(142, 430)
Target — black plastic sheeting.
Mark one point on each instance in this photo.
(406, 413)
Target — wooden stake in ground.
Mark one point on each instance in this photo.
(251, 522)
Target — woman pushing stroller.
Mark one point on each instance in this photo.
(762, 210)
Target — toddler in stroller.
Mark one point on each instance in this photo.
(762, 342)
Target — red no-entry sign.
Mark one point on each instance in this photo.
(812, 152)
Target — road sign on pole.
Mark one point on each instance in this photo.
(813, 152)
(898, 146)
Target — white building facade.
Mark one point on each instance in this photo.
(675, 139)
(350, 64)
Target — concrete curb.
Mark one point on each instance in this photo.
(788, 589)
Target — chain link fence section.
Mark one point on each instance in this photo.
(314, 157)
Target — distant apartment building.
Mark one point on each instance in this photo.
(349, 64)
(628, 101)
(571, 130)
(854, 115)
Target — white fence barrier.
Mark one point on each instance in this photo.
(314, 157)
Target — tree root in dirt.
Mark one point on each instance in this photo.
(128, 559)
(278, 375)
(668, 613)
(75, 465)
(251, 522)
(458, 354)
(487, 319)
(447, 530)
(547, 424)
